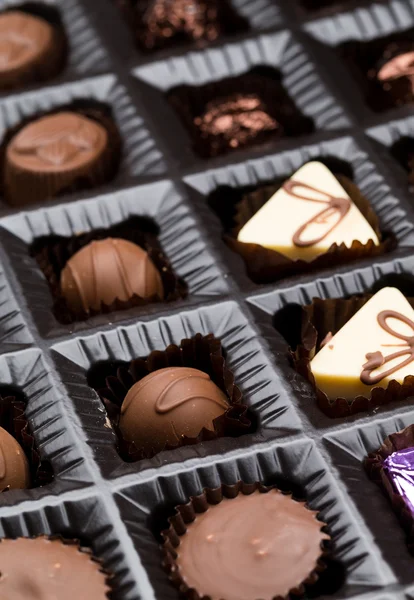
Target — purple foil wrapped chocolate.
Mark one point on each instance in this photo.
(399, 468)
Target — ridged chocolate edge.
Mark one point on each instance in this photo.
(186, 513)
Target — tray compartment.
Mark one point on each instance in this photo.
(298, 465)
(179, 236)
(280, 51)
(395, 214)
(398, 272)
(244, 355)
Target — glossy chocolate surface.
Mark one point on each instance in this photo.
(14, 468)
(249, 547)
(47, 569)
(61, 142)
(169, 404)
(107, 270)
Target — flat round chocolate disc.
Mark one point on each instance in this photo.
(48, 569)
(259, 546)
(55, 154)
(14, 468)
(57, 143)
(24, 39)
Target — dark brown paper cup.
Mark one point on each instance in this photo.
(186, 514)
(266, 266)
(321, 318)
(203, 353)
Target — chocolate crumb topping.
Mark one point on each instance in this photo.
(237, 118)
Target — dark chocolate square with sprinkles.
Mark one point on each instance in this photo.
(238, 112)
(384, 68)
(158, 24)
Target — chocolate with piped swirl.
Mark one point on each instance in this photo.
(226, 545)
(109, 270)
(376, 359)
(169, 404)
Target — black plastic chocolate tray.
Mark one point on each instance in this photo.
(119, 508)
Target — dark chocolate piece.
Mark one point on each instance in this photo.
(377, 359)
(46, 568)
(262, 545)
(109, 270)
(169, 404)
(162, 23)
(14, 468)
(238, 112)
(384, 68)
(31, 49)
(57, 153)
(234, 121)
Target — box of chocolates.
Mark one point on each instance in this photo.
(207, 299)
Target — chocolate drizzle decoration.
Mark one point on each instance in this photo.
(334, 207)
(377, 359)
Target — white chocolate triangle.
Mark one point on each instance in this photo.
(274, 225)
(338, 365)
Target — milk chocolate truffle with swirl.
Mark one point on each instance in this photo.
(257, 543)
(108, 270)
(55, 154)
(168, 405)
(14, 467)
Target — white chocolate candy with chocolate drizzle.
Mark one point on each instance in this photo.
(374, 347)
(307, 215)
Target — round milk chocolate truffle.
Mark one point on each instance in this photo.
(109, 270)
(50, 154)
(42, 568)
(25, 43)
(263, 545)
(170, 404)
(14, 468)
